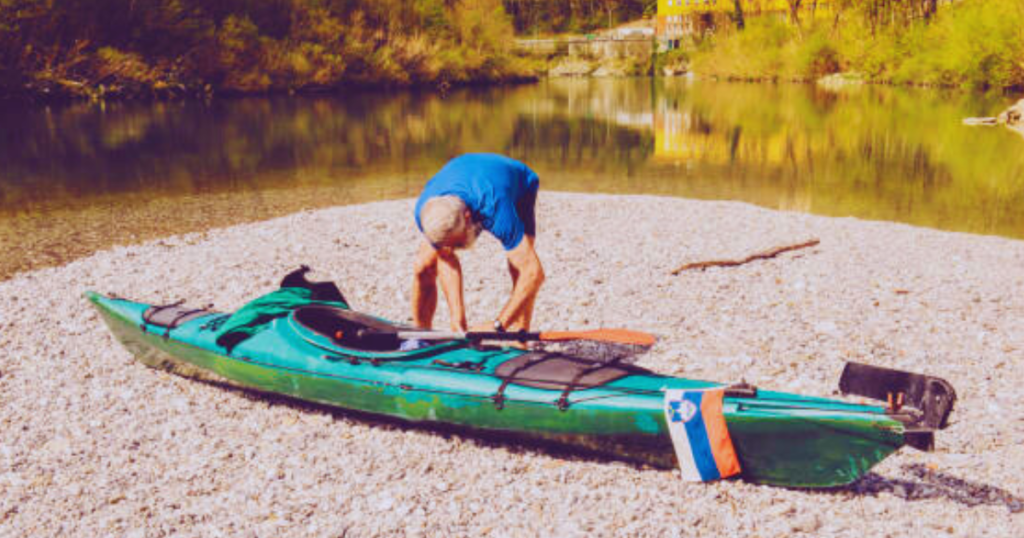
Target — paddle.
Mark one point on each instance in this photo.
(615, 336)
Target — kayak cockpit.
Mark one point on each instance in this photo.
(338, 327)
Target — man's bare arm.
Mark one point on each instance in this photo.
(449, 271)
(424, 286)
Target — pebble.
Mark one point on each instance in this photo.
(82, 424)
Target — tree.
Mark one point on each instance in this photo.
(738, 13)
(794, 11)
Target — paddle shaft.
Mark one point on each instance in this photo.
(619, 336)
(517, 336)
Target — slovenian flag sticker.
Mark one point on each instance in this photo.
(699, 434)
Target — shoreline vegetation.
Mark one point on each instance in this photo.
(166, 49)
(169, 48)
(977, 44)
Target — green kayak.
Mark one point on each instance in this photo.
(317, 351)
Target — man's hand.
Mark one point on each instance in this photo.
(482, 328)
(489, 328)
(433, 265)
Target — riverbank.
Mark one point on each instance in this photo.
(183, 48)
(46, 89)
(97, 444)
(47, 238)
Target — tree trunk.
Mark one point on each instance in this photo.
(794, 11)
(738, 13)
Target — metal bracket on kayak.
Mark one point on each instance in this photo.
(741, 390)
(929, 399)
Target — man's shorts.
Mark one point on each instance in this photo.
(526, 210)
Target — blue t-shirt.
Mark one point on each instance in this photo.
(490, 185)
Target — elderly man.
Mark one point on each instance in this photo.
(471, 193)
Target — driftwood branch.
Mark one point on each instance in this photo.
(759, 256)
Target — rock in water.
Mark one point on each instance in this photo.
(1013, 116)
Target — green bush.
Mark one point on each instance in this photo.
(675, 59)
(117, 67)
(240, 56)
(976, 43)
(761, 51)
(980, 43)
(817, 56)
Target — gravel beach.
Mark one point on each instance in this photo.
(94, 444)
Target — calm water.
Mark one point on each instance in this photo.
(873, 152)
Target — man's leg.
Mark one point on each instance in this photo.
(424, 287)
(526, 208)
(522, 321)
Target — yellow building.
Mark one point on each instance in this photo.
(675, 17)
(678, 18)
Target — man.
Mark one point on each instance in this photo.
(470, 193)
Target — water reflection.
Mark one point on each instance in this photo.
(871, 152)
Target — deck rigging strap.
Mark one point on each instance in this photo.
(150, 314)
(181, 317)
(563, 400)
(171, 316)
(499, 397)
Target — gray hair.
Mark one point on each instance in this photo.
(441, 216)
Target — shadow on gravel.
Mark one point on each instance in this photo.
(929, 484)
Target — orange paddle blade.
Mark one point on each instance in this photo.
(617, 336)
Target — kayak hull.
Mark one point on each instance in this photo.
(780, 439)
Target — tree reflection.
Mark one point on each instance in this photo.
(871, 152)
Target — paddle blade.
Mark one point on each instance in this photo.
(617, 336)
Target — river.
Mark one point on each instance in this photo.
(78, 178)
